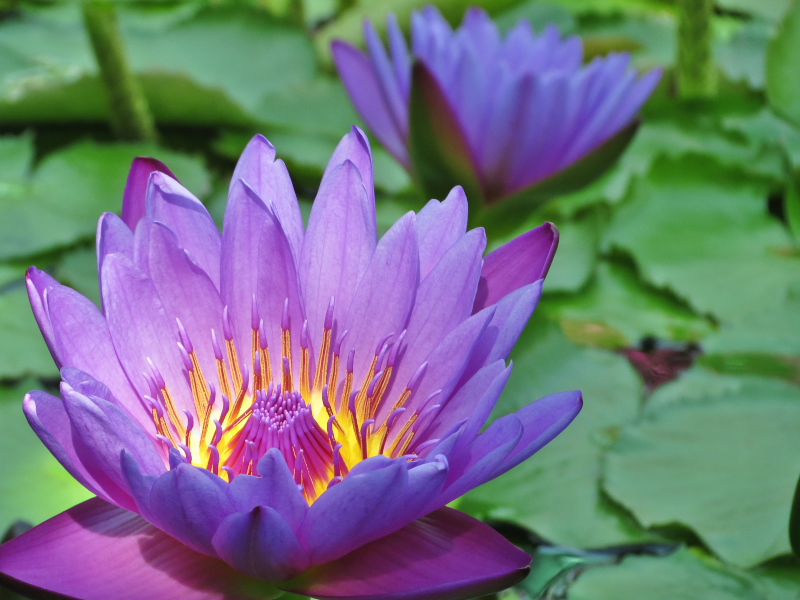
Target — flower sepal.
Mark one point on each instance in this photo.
(438, 146)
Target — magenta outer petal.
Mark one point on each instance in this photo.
(168, 202)
(444, 556)
(135, 200)
(521, 261)
(97, 551)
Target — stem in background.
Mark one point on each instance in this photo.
(697, 76)
(130, 115)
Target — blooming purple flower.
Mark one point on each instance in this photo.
(279, 407)
(511, 112)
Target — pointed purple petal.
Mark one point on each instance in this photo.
(359, 509)
(542, 421)
(83, 341)
(189, 503)
(173, 205)
(39, 285)
(439, 226)
(101, 431)
(275, 487)
(270, 180)
(141, 330)
(364, 88)
(48, 418)
(96, 551)
(339, 244)
(444, 556)
(134, 202)
(188, 295)
(262, 544)
(519, 262)
(113, 236)
(385, 296)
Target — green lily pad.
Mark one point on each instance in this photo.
(686, 575)
(783, 87)
(742, 57)
(62, 201)
(22, 348)
(618, 310)
(189, 70)
(556, 493)
(34, 486)
(766, 343)
(704, 232)
(723, 463)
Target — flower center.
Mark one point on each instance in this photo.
(323, 424)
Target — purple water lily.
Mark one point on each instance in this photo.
(508, 113)
(284, 408)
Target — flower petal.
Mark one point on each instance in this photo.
(444, 556)
(189, 503)
(364, 88)
(49, 420)
(82, 339)
(439, 226)
(97, 551)
(385, 296)
(173, 205)
(444, 301)
(353, 512)
(262, 544)
(39, 285)
(521, 261)
(187, 294)
(134, 202)
(141, 330)
(542, 421)
(274, 487)
(339, 243)
(270, 180)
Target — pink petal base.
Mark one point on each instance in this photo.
(98, 551)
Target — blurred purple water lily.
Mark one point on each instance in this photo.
(502, 116)
(284, 408)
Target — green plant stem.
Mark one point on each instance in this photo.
(696, 69)
(130, 115)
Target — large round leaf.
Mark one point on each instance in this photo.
(704, 232)
(65, 197)
(723, 461)
(684, 575)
